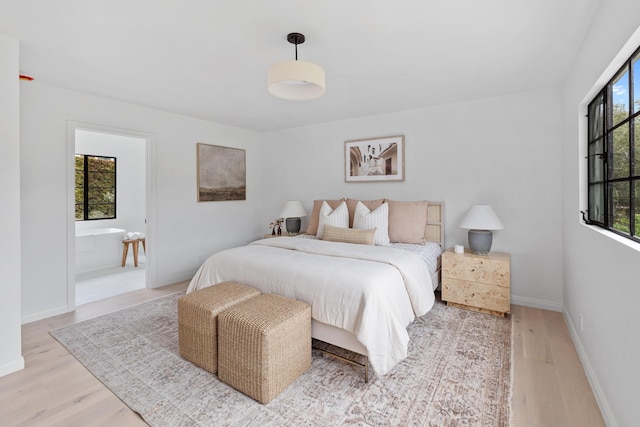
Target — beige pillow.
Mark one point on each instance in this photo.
(371, 204)
(349, 235)
(407, 221)
(312, 228)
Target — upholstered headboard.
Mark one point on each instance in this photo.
(434, 230)
(435, 223)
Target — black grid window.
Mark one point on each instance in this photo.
(95, 190)
(614, 153)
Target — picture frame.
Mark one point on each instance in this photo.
(374, 159)
(222, 173)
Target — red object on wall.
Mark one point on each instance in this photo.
(25, 77)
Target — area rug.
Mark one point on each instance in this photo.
(458, 373)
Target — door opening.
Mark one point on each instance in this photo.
(108, 206)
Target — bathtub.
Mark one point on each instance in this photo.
(98, 248)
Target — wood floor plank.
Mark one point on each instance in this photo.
(534, 336)
(575, 389)
(541, 385)
(549, 388)
(519, 407)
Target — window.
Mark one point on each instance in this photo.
(95, 187)
(614, 153)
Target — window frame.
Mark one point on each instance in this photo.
(606, 158)
(86, 187)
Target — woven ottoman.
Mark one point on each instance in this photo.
(264, 344)
(198, 321)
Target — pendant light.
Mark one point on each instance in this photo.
(296, 80)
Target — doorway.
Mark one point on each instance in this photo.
(100, 219)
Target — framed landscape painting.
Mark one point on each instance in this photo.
(376, 159)
(222, 173)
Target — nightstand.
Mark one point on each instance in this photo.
(477, 282)
(284, 234)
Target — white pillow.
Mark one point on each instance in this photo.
(338, 217)
(377, 218)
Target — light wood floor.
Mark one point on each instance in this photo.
(550, 387)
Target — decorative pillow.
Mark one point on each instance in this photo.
(378, 218)
(351, 205)
(338, 217)
(407, 221)
(312, 228)
(349, 235)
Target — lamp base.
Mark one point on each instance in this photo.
(480, 241)
(293, 225)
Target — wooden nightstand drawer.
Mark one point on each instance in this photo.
(489, 297)
(492, 269)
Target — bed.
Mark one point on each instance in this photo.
(362, 296)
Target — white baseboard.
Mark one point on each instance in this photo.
(605, 409)
(11, 367)
(173, 278)
(45, 314)
(536, 303)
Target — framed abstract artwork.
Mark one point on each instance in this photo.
(222, 173)
(374, 159)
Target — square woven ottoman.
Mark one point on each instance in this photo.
(264, 344)
(198, 321)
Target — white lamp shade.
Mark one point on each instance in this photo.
(293, 209)
(296, 80)
(481, 217)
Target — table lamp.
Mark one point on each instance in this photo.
(292, 212)
(480, 220)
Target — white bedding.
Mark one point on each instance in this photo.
(375, 292)
(429, 251)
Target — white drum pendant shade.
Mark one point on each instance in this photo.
(296, 80)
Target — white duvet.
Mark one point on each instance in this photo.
(375, 292)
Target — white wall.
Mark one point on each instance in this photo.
(10, 333)
(185, 231)
(131, 155)
(501, 151)
(601, 273)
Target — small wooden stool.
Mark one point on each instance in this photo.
(134, 243)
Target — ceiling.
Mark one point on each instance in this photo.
(209, 58)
